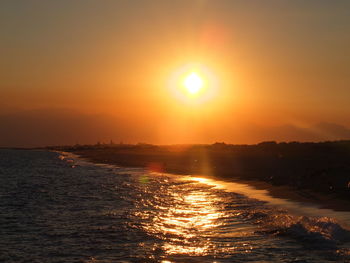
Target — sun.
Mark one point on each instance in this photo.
(193, 83)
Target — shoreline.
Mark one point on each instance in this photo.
(298, 195)
(319, 199)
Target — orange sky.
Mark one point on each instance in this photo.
(277, 64)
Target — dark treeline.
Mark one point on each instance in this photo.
(323, 167)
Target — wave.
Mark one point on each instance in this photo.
(323, 234)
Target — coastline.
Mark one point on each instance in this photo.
(159, 163)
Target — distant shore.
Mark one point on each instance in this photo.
(308, 172)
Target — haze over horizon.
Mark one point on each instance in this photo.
(88, 71)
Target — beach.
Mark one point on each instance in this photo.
(305, 172)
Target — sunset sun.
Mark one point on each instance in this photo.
(193, 83)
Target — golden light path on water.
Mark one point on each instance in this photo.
(196, 214)
(200, 215)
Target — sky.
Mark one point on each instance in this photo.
(85, 71)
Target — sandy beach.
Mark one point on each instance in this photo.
(290, 171)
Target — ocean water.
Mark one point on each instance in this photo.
(55, 207)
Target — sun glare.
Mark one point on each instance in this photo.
(193, 83)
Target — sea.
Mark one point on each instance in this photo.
(57, 207)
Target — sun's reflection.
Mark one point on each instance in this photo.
(187, 222)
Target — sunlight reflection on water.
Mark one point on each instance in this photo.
(195, 220)
(194, 213)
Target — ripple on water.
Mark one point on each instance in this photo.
(63, 209)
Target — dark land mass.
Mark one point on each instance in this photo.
(317, 172)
